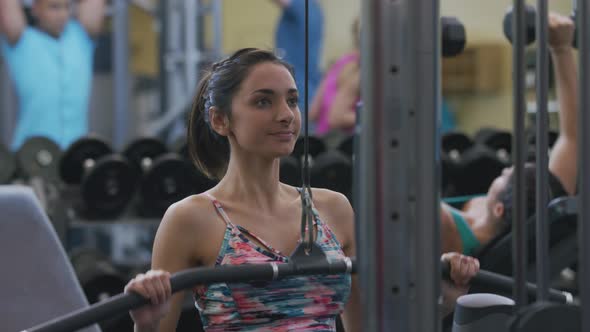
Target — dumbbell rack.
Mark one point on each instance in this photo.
(127, 242)
(126, 239)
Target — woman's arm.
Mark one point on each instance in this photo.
(316, 105)
(179, 242)
(342, 114)
(563, 159)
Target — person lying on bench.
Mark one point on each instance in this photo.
(483, 218)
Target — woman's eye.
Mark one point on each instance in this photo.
(263, 102)
(293, 102)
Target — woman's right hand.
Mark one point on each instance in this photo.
(561, 31)
(153, 285)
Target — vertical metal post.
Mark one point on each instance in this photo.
(368, 218)
(173, 56)
(583, 28)
(542, 159)
(121, 72)
(425, 57)
(191, 52)
(7, 105)
(217, 28)
(164, 9)
(397, 219)
(519, 259)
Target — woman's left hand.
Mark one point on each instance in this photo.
(462, 270)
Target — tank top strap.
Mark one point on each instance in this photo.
(316, 216)
(220, 210)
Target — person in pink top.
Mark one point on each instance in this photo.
(334, 106)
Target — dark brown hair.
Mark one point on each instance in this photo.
(505, 196)
(554, 187)
(209, 150)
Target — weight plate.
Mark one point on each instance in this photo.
(108, 187)
(347, 146)
(454, 144)
(39, 157)
(496, 139)
(180, 146)
(316, 146)
(478, 168)
(332, 170)
(142, 152)
(7, 164)
(169, 180)
(99, 278)
(453, 36)
(71, 167)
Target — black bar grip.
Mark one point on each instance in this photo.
(186, 279)
(505, 284)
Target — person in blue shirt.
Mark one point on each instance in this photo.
(50, 64)
(290, 43)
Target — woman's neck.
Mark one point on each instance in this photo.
(253, 181)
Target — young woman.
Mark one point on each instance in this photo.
(244, 118)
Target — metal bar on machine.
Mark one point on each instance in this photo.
(121, 72)
(217, 28)
(175, 60)
(397, 219)
(369, 213)
(6, 105)
(519, 252)
(171, 115)
(424, 20)
(542, 160)
(583, 132)
(164, 8)
(191, 10)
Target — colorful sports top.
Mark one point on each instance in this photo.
(303, 303)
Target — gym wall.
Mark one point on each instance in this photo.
(482, 20)
(483, 24)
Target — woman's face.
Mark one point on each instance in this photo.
(265, 118)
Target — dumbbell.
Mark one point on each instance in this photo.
(332, 170)
(453, 145)
(530, 23)
(347, 146)
(107, 181)
(180, 146)
(37, 162)
(453, 36)
(7, 164)
(498, 140)
(479, 167)
(316, 146)
(38, 157)
(166, 177)
(100, 280)
(290, 171)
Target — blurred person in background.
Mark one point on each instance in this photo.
(51, 65)
(290, 44)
